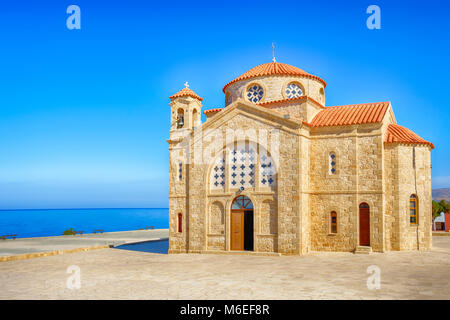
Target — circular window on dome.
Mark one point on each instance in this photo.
(293, 90)
(255, 93)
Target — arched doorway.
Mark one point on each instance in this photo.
(364, 224)
(242, 224)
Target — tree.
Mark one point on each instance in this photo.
(436, 209)
(445, 206)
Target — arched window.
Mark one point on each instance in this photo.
(293, 90)
(180, 171)
(180, 222)
(180, 118)
(332, 163)
(255, 93)
(333, 222)
(321, 96)
(242, 202)
(241, 161)
(364, 206)
(227, 98)
(413, 209)
(194, 118)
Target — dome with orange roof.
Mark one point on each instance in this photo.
(271, 69)
(274, 81)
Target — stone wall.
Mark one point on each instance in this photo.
(358, 179)
(274, 87)
(406, 181)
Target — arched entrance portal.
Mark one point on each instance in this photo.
(242, 224)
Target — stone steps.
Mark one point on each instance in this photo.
(363, 250)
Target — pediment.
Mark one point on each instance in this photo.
(242, 108)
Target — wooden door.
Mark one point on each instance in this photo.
(364, 225)
(237, 230)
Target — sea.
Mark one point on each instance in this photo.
(53, 222)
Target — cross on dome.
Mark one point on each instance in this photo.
(186, 84)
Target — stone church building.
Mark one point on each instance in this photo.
(276, 171)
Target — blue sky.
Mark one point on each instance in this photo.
(84, 114)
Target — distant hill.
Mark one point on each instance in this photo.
(439, 194)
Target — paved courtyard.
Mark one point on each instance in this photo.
(122, 274)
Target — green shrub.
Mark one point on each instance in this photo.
(68, 232)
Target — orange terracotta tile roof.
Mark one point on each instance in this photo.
(212, 110)
(186, 92)
(399, 134)
(273, 68)
(350, 114)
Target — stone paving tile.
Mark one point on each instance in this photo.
(122, 274)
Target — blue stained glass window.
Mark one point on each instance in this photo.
(332, 163)
(218, 176)
(267, 172)
(255, 93)
(293, 90)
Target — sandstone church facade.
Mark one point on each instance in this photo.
(277, 172)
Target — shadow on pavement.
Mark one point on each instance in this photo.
(154, 246)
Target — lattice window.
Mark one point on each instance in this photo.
(255, 93)
(180, 171)
(218, 175)
(293, 90)
(242, 167)
(266, 170)
(333, 163)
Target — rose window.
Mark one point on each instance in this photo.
(293, 90)
(255, 93)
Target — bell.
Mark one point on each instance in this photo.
(180, 122)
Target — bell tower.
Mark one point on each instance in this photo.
(185, 114)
